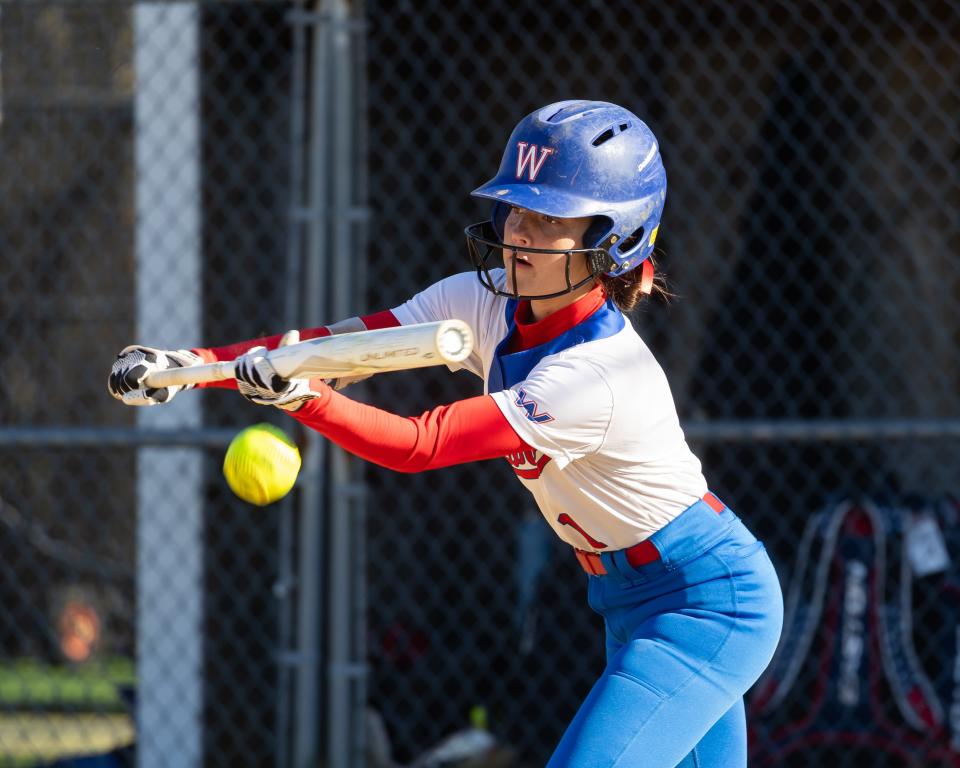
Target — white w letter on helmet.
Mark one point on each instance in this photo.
(532, 158)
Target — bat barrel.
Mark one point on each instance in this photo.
(454, 341)
(365, 352)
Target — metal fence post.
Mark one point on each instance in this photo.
(331, 293)
(169, 534)
(286, 588)
(308, 707)
(346, 661)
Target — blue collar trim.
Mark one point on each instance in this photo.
(509, 369)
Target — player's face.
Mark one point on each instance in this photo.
(543, 273)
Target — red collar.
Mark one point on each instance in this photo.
(528, 333)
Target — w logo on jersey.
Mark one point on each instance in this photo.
(528, 464)
(530, 157)
(532, 408)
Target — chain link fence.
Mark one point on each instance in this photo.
(144, 192)
(810, 236)
(173, 173)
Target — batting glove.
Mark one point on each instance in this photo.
(259, 382)
(134, 363)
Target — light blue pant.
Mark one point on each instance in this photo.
(687, 635)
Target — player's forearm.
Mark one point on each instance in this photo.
(464, 431)
(233, 351)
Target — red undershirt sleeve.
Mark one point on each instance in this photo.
(467, 430)
(373, 322)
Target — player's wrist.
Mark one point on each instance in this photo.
(300, 394)
(206, 355)
(310, 394)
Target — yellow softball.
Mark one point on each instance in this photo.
(261, 464)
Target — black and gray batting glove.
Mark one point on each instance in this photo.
(134, 363)
(259, 383)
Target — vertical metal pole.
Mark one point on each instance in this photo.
(345, 631)
(330, 286)
(283, 590)
(309, 715)
(287, 658)
(339, 714)
(359, 264)
(169, 303)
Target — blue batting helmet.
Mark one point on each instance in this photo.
(585, 158)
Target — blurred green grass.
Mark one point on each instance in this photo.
(38, 738)
(31, 684)
(50, 711)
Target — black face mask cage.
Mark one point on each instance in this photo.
(483, 243)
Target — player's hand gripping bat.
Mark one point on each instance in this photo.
(348, 354)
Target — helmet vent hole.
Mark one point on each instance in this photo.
(630, 241)
(609, 134)
(603, 137)
(570, 110)
(550, 119)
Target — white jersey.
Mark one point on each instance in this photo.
(608, 463)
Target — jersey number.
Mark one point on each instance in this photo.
(565, 519)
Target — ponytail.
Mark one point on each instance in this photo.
(628, 289)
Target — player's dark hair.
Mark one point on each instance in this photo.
(627, 289)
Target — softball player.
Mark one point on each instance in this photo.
(578, 405)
